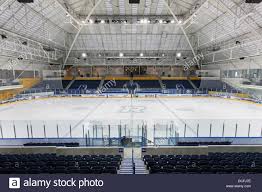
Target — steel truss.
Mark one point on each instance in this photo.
(244, 50)
(26, 49)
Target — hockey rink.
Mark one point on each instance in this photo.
(83, 114)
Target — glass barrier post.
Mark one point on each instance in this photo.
(83, 129)
(120, 130)
(236, 131)
(185, 131)
(138, 128)
(57, 130)
(248, 134)
(210, 129)
(197, 129)
(88, 137)
(170, 130)
(70, 127)
(154, 133)
(31, 127)
(102, 132)
(93, 132)
(1, 129)
(14, 130)
(109, 135)
(27, 128)
(166, 130)
(145, 131)
(143, 134)
(96, 131)
(44, 130)
(223, 130)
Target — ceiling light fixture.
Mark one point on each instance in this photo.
(144, 21)
(84, 55)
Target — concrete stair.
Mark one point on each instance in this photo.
(140, 168)
(127, 168)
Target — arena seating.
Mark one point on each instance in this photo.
(9, 83)
(177, 84)
(144, 84)
(53, 164)
(53, 144)
(85, 84)
(213, 163)
(66, 83)
(119, 83)
(202, 143)
(212, 85)
(148, 84)
(51, 84)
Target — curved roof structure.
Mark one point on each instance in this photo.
(59, 31)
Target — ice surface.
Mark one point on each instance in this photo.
(83, 113)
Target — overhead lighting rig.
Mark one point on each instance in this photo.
(105, 20)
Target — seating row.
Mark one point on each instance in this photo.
(53, 144)
(203, 143)
(51, 163)
(211, 163)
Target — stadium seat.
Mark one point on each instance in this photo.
(220, 163)
(53, 164)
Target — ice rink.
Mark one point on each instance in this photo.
(162, 113)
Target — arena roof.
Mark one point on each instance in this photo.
(223, 30)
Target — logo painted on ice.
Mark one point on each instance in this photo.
(132, 109)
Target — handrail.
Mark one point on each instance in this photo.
(133, 162)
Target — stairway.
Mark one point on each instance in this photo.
(126, 167)
(140, 167)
